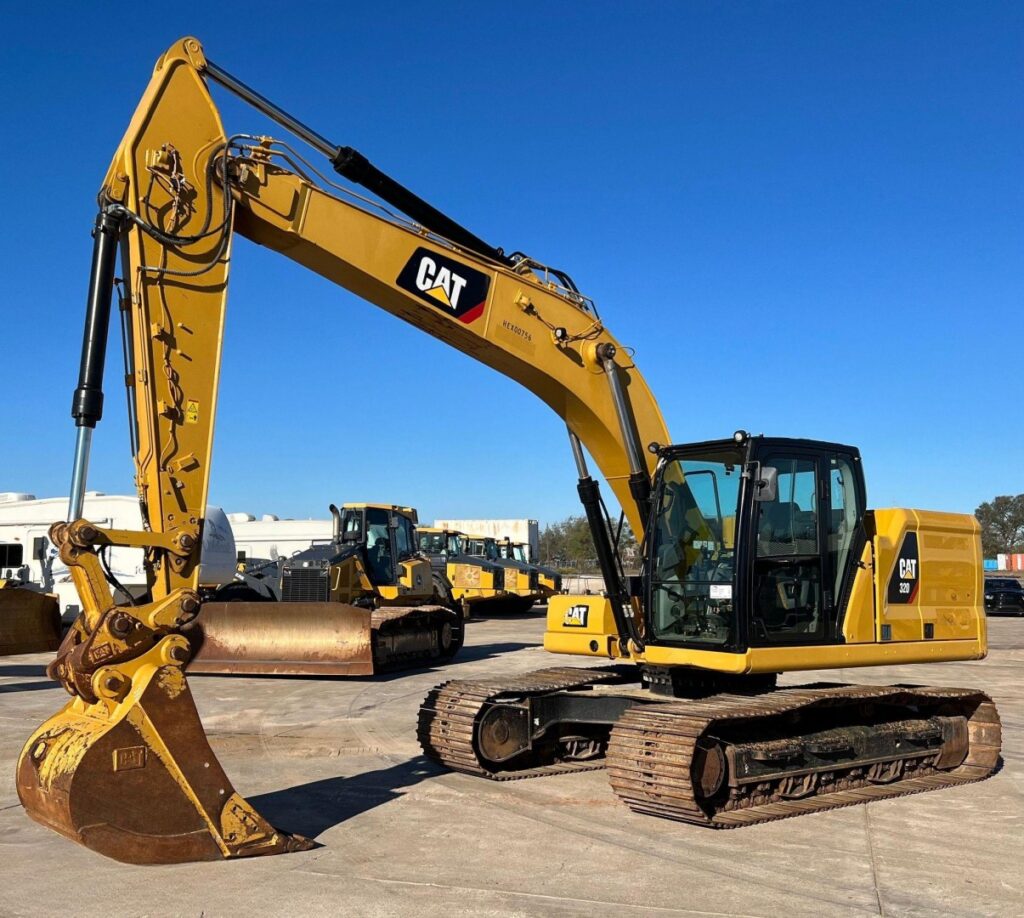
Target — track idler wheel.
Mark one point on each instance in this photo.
(132, 775)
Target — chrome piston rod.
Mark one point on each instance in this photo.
(87, 402)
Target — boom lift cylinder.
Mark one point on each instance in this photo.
(590, 496)
(87, 402)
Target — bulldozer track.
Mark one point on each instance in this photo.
(449, 714)
(650, 756)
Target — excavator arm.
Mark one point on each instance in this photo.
(177, 190)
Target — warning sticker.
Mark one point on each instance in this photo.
(192, 411)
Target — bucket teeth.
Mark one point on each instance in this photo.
(136, 779)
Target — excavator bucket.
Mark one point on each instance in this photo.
(29, 621)
(317, 638)
(135, 778)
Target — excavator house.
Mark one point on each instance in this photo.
(761, 555)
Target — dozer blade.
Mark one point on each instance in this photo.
(319, 638)
(282, 638)
(134, 777)
(29, 621)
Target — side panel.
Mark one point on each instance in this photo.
(581, 625)
(349, 581)
(928, 576)
(417, 578)
(859, 618)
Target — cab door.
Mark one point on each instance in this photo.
(801, 551)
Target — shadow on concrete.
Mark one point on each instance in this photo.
(22, 669)
(537, 612)
(27, 686)
(477, 652)
(471, 654)
(311, 809)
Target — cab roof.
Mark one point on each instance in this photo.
(394, 508)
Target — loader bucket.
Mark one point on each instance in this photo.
(282, 638)
(29, 621)
(135, 779)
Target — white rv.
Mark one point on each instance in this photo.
(26, 553)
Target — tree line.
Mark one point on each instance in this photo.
(1002, 525)
(568, 546)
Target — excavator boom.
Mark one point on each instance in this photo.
(177, 190)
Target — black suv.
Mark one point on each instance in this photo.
(1004, 594)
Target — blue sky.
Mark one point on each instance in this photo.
(805, 217)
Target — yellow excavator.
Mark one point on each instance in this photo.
(761, 555)
(389, 609)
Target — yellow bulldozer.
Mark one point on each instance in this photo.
(366, 601)
(29, 620)
(761, 554)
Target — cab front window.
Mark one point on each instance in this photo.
(693, 548)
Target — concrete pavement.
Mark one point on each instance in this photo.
(338, 760)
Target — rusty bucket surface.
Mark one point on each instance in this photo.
(29, 621)
(282, 638)
(135, 779)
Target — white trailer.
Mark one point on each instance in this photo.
(26, 553)
(527, 531)
(272, 538)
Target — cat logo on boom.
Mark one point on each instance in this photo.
(454, 288)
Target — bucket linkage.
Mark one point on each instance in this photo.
(125, 767)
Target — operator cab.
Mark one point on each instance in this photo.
(483, 547)
(752, 542)
(440, 542)
(388, 535)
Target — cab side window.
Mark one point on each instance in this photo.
(404, 540)
(843, 520)
(378, 546)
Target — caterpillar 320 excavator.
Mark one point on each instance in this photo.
(761, 555)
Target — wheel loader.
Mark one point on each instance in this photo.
(549, 581)
(761, 554)
(366, 601)
(476, 583)
(522, 582)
